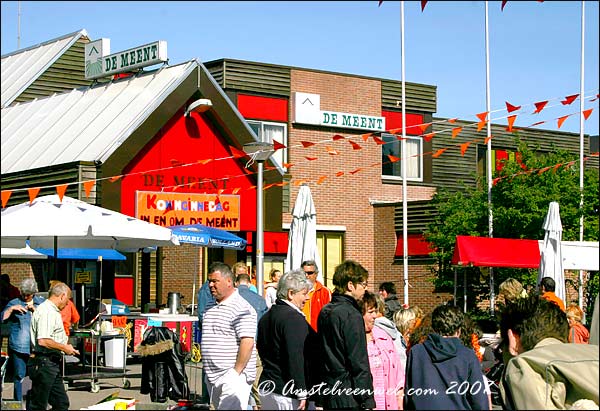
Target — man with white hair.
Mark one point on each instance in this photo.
(49, 341)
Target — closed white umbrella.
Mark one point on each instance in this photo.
(551, 262)
(302, 240)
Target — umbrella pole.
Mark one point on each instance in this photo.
(100, 289)
(55, 263)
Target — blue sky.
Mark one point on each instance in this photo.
(535, 47)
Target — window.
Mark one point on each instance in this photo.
(413, 158)
(269, 132)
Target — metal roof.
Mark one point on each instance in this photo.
(22, 67)
(85, 124)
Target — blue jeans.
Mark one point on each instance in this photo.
(19, 363)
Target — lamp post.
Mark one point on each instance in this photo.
(260, 152)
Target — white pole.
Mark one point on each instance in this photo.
(19, 25)
(581, 128)
(489, 150)
(259, 230)
(404, 159)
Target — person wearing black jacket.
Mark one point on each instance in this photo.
(345, 376)
(284, 344)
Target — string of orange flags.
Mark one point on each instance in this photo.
(424, 3)
(483, 118)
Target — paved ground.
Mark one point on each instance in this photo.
(110, 383)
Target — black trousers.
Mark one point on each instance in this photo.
(47, 385)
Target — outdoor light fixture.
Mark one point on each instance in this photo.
(260, 152)
(198, 106)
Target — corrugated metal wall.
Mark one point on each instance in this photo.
(67, 73)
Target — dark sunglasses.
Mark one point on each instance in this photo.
(309, 272)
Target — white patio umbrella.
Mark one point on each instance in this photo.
(302, 239)
(551, 262)
(76, 224)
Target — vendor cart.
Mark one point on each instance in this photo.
(99, 352)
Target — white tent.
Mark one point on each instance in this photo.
(579, 255)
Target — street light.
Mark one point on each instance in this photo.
(260, 152)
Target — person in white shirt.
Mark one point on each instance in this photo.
(228, 333)
(271, 288)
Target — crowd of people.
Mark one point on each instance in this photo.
(356, 349)
(301, 346)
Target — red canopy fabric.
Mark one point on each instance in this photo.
(496, 252)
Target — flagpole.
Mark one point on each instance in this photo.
(489, 150)
(404, 158)
(581, 128)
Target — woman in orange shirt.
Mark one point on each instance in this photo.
(577, 332)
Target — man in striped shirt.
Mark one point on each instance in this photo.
(228, 332)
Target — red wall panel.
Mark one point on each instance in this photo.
(263, 108)
(393, 119)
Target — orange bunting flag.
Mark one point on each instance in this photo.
(510, 108)
(88, 185)
(311, 158)
(595, 98)
(337, 137)
(503, 4)
(428, 136)
(543, 170)
(378, 140)
(380, 1)
(452, 120)
(424, 127)
(487, 139)
(423, 3)
(205, 161)
(307, 144)
(235, 190)
(587, 113)
(321, 179)
(456, 131)
(464, 147)
(5, 197)
(393, 159)
(354, 145)
(339, 174)
(537, 124)
(175, 162)
(33, 192)
(439, 152)
(495, 181)
(61, 190)
(236, 152)
(331, 151)
(251, 188)
(561, 120)
(365, 137)
(539, 106)
(482, 116)
(287, 165)
(569, 99)
(268, 186)
(511, 122)
(395, 130)
(277, 145)
(481, 125)
(356, 171)
(269, 168)
(115, 178)
(299, 182)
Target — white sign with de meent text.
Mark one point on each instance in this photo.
(306, 110)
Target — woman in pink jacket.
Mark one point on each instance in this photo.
(388, 375)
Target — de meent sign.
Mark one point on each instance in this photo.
(100, 63)
(306, 109)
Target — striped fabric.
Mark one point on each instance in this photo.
(223, 325)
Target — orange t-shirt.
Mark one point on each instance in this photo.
(69, 316)
(550, 296)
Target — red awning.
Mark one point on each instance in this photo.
(496, 252)
(417, 246)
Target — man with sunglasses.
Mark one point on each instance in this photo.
(318, 296)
